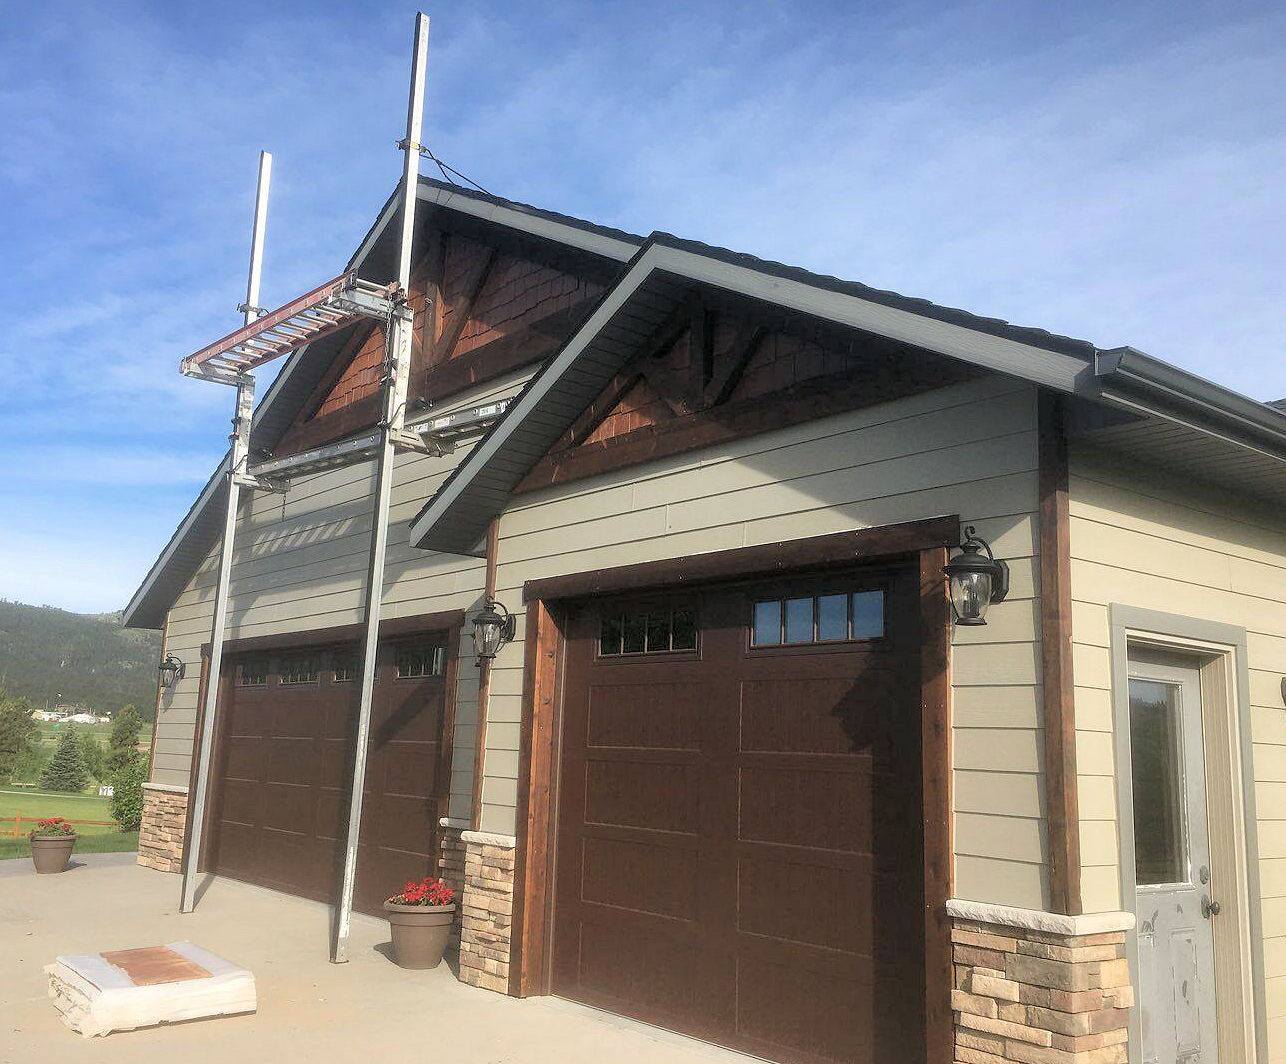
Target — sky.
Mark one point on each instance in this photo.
(1110, 171)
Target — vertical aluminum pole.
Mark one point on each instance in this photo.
(397, 358)
(238, 456)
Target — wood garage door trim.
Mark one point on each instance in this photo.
(448, 621)
(922, 545)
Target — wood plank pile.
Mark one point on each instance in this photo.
(98, 993)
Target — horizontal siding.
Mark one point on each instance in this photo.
(968, 449)
(300, 563)
(1167, 545)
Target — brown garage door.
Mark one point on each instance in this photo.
(285, 760)
(740, 842)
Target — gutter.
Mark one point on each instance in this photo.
(1131, 378)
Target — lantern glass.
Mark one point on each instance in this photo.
(488, 634)
(971, 594)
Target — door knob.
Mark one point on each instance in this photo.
(1210, 908)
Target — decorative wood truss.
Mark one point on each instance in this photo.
(722, 367)
(485, 304)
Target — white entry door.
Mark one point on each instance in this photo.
(1173, 902)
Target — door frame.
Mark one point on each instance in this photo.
(1218, 654)
(920, 546)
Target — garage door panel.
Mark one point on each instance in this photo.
(633, 715)
(805, 1015)
(409, 768)
(640, 876)
(289, 760)
(808, 903)
(333, 763)
(337, 715)
(399, 822)
(621, 960)
(241, 801)
(818, 715)
(287, 807)
(291, 714)
(658, 796)
(406, 718)
(245, 758)
(802, 807)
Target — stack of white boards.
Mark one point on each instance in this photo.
(98, 993)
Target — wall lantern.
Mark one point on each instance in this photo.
(171, 670)
(492, 629)
(976, 580)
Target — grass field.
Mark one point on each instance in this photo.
(32, 806)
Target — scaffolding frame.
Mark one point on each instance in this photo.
(263, 337)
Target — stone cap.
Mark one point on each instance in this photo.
(1035, 920)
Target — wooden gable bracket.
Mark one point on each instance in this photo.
(460, 318)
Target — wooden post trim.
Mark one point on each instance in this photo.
(939, 843)
(484, 683)
(1058, 690)
(156, 706)
(537, 767)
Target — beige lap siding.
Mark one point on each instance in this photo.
(300, 564)
(1153, 540)
(968, 449)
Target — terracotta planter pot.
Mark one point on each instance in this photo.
(420, 933)
(51, 853)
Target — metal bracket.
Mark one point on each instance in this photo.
(254, 483)
(254, 312)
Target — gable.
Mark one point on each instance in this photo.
(719, 369)
(495, 311)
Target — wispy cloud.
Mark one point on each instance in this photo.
(1109, 171)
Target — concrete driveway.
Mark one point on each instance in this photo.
(309, 1010)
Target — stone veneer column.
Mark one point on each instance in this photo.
(486, 909)
(1039, 988)
(160, 835)
(451, 870)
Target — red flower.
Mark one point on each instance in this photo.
(427, 891)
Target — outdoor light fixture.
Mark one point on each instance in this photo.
(171, 670)
(977, 579)
(492, 629)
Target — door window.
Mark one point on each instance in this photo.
(1160, 834)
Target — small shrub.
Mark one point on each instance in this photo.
(127, 793)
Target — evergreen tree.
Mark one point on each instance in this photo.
(17, 729)
(94, 756)
(66, 772)
(122, 744)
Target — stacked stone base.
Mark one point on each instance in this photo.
(486, 910)
(1036, 988)
(160, 835)
(451, 870)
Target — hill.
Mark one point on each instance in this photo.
(55, 657)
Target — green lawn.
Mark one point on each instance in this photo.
(31, 806)
(108, 842)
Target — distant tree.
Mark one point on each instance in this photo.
(122, 744)
(127, 793)
(66, 771)
(94, 756)
(17, 729)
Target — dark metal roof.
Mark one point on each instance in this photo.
(996, 326)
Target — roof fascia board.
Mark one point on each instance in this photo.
(1133, 404)
(535, 391)
(1066, 373)
(1137, 372)
(509, 217)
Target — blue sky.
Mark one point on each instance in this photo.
(1112, 171)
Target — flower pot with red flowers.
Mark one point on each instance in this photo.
(420, 919)
(52, 841)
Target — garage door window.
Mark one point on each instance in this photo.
(644, 631)
(344, 667)
(418, 660)
(298, 669)
(253, 673)
(828, 618)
